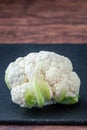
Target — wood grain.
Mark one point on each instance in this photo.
(43, 21)
(43, 127)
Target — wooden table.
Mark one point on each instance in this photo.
(43, 21)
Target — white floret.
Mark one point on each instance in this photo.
(57, 70)
(15, 75)
(70, 84)
(18, 93)
(74, 83)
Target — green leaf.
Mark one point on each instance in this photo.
(70, 100)
(39, 96)
(45, 90)
(38, 91)
(7, 83)
(30, 98)
(41, 89)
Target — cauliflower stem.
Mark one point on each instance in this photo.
(40, 93)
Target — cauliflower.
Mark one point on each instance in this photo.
(42, 78)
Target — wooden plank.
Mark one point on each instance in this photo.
(34, 127)
(46, 21)
(43, 34)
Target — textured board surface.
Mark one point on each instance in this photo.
(54, 114)
(43, 21)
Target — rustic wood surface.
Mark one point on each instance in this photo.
(31, 127)
(43, 21)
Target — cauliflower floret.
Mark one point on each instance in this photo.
(69, 84)
(50, 75)
(74, 83)
(42, 78)
(18, 93)
(15, 74)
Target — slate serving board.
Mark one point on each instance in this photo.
(54, 114)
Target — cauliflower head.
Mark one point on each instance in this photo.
(42, 78)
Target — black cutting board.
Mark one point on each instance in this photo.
(54, 114)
